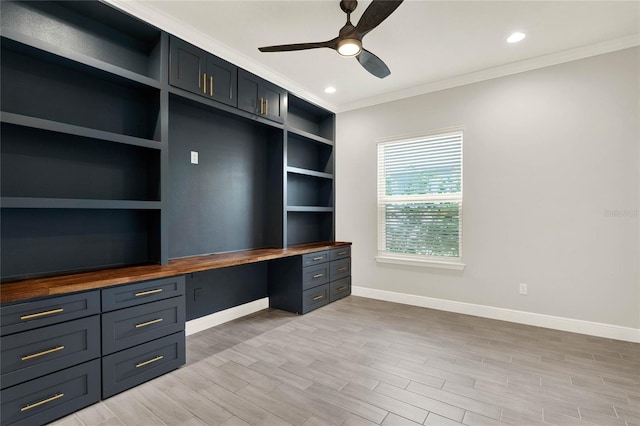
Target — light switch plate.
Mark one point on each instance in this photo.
(194, 157)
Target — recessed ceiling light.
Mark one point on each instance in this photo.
(330, 89)
(516, 37)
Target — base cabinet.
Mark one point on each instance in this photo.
(300, 284)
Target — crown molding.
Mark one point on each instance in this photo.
(499, 71)
(168, 23)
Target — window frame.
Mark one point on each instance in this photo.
(444, 262)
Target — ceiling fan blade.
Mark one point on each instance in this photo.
(373, 64)
(332, 44)
(378, 11)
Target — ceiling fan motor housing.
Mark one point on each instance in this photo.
(348, 6)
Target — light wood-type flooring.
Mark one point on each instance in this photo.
(365, 362)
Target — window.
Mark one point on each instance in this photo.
(420, 200)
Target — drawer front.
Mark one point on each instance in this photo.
(314, 276)
(340, 269)
(131, 367)
(315, 258)
(53, 396)
(341, 253)
(34, 353)
(38, 313)
(314, 298)
(140, 324)
(339, 289)
(129, 295)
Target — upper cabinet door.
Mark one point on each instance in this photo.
(222, 80)
(188, 64)
(260, 97)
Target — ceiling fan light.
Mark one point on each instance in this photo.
(349, 47)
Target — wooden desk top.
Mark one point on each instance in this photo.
(63, 284)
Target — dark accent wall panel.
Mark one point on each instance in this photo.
(218, 289)
(231, 200)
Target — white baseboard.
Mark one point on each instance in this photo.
(227, 315)
(540, 320)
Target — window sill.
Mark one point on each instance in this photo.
(427, 263)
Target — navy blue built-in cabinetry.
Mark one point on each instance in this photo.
(100, 116)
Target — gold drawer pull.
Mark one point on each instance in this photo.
(144, 324)
(152, 360)
(342, 268)
(204, 83)
(318, 275)
(146, 293)
(261, 106)
(48, 351)
(266, 107)
(318, 297)
(318, 258)
(39, 403)
(342, 253)
(41, 314)
(343, 288)
(211, 86)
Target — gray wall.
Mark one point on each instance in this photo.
(551, 190)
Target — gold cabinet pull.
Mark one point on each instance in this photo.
(151, 361)
(148, 292)
(318, 258)
(342, 253)
(261, 106)
(342, 268)
(318, 275)
(343, 288)
(144, 324)
(39, 403)
(318, 297)
(48, 351)
(41, 314)
(211, 85)
(204, 83)
(266, 107)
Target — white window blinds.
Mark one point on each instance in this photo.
(420, 197)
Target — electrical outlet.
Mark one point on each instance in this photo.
(194, 157)
(523, 289)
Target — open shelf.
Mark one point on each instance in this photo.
(310, 120)
(70, 129)
(91, 33)
(304, 154)
(44, 242)
(306, 172)
(309, 209)
(309, 227)
(310, 191)
(75, 203)
(37, 163)
(309, 136)
(34, 86)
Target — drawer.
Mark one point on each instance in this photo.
(140, 324)
(340, 269)
(315, 258)
(314, 276)
(53, 396)
(128, 295)
(131, 367)
(339, 289)
(314, 298)
(34, 353)
(340, 253)
(38, 313)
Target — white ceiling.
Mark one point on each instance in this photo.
(428, 45)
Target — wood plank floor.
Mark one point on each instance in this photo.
(366, 362)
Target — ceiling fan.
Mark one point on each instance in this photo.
(349, 41)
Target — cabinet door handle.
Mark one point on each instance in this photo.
(210, 85)
(318, 297)
(318, 275)
(266, 107)
(152, 360)
(343, 288)
(204, 83)
(148, 292)
(39, 403)
(41, 314)
(144, 324)
(48, 351)
(342, 253)
(318, 258)
(261, 106)
(342, 268)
